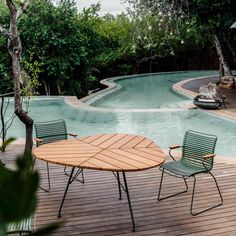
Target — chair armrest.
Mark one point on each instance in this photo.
(171, 148)
(208, 156)
(38, 140)
(73, 135)
(174, 146)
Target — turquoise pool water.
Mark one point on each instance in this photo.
(150, 91)
(164, 127)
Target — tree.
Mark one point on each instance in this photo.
(15, 49)
(158, 32)
(211, 18)
(51, 34)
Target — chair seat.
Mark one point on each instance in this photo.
(24, 226)
(182, 169)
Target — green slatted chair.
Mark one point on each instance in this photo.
(52, 131)
(197, 157)
(22, 227)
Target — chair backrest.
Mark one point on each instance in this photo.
(195, 145)
(50, 131)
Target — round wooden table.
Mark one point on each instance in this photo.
(108, 152)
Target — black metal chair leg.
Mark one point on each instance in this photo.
(194, 185)
(118, 179)
(67, 186)
(175, 194)
(49, 184)
(128, 197)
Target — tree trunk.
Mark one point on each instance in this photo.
(14, 48)
(220, 54)
(3, 125)
(221, 71)
(49, 89)
(58, 87)
(45, 87)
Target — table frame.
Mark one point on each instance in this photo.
(125, 188)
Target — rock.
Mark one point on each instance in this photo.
(228, 82)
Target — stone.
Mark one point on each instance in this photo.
(228, 82)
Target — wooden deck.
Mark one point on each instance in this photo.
(93, 208)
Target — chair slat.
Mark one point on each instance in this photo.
(24, 226)
(195, 146)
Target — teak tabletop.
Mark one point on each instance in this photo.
(111, 152)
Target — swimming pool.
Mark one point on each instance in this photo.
(164, 127)
(147, 91)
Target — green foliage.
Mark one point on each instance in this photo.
(6, 84)
(18, 198)
(65, 52)
(53, 35)
(160, 28)
(18, 190)
(6, 143)
(212, 16)
(199, 19)
(30, 76)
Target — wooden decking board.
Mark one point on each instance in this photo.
(94, 209)
(207, 223)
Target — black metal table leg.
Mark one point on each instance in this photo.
(130, 206)
(118, 179)
(67, 186)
